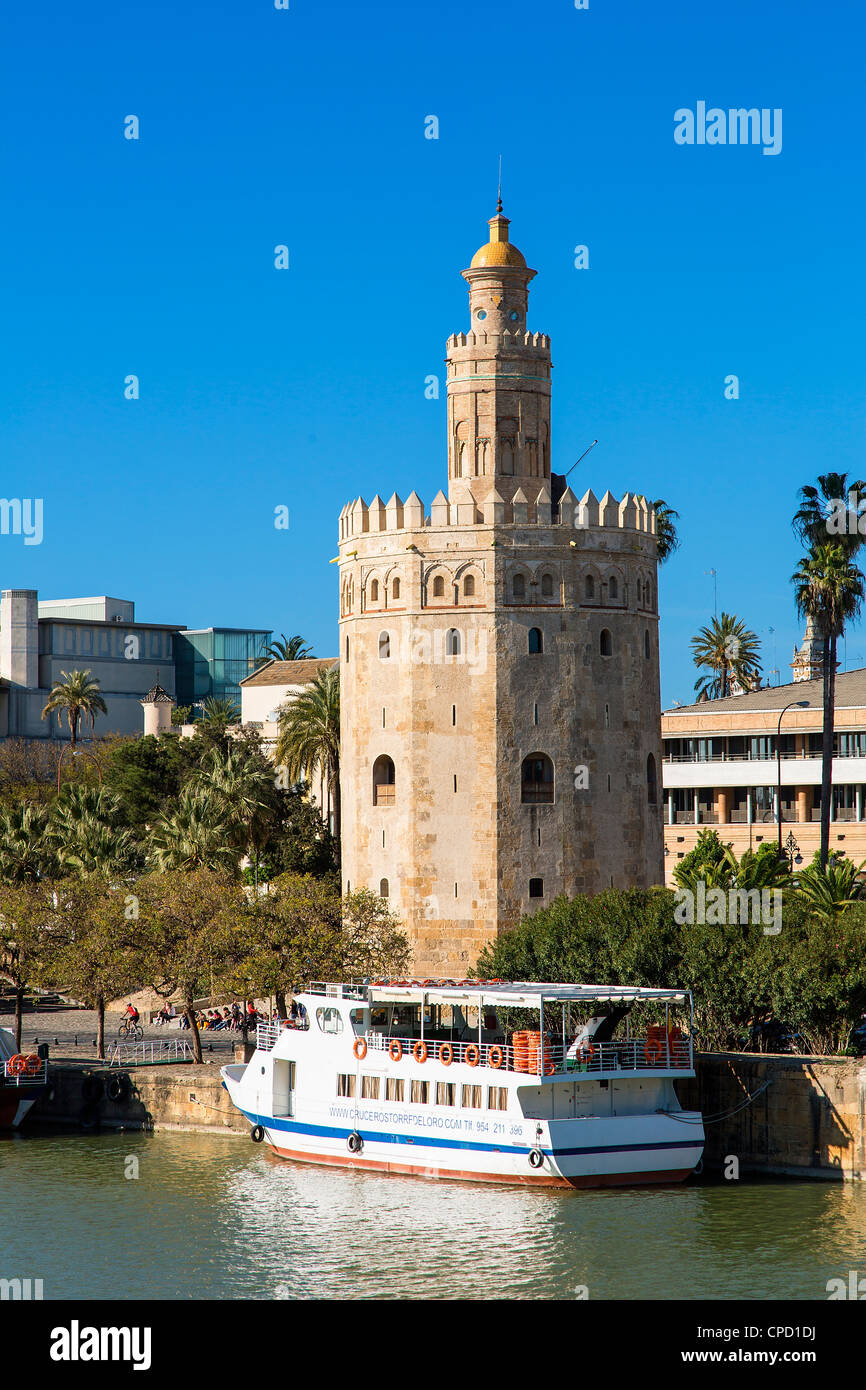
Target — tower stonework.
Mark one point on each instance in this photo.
(499, 662)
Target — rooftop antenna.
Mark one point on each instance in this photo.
(499, 194)
(582, 457)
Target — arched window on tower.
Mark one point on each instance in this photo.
(646, 644)
(651, 787)
(547, 586)
(383, 781)
(589, 587)
(384, 646)
(518, 588)
(469, 586)
(374, 591)
(536, 780)
(605, 643)
(536, 641)
(612, 589)
(395, 588)
(452, 642)
(383, 888)
(438, 587)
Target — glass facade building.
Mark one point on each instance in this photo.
(211, 662)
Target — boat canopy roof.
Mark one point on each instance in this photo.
(528, 994)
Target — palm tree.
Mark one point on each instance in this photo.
(84, 828)
(286, 649)
(830, 590)
(76, 696)
(26, 853)
(730, 650)
(195, 834)
(243, 787)
(667, 540)
(830, 891)
(309, 738)
(819, 504)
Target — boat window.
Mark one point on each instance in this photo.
(472, 1097)
(420, 1090)
(393, 1088)
(497, 1097)
(358, 1020)
(345, 1083)
(329, 1020)
(370, 1087)
(445, 1093)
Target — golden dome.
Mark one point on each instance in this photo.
(497, 253)
(498, 250)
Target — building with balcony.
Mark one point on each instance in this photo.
(719, 768)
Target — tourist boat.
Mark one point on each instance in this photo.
(444, 1079)
(23, 1077)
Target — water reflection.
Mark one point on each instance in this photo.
(213, 1217)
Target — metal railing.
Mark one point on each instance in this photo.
(631, 1054)
(148, 1054)
(267, 1033)
(26, 1073)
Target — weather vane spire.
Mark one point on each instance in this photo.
(499, 193)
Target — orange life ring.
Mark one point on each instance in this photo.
(653, 1051)
(359, 1047)
(395, 1049)
(586, 1049)
(15, 1066)
(32, 1065)
(472, 1055)
(446, 1054)
(494, 1056)
(419, 1052)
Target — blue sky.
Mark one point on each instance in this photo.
(305, 387)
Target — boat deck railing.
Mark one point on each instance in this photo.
(267, 1033)
(594, 1059)
(24, 1070)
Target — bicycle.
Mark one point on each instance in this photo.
(130, 1029)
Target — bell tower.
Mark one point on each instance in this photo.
(498, 377)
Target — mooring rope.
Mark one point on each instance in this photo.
(724, 1115)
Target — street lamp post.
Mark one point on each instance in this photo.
(77, 753)
(795, 704)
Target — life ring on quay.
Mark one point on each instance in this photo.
(15, 1065)
(472, 1055)
(495, 1056)
(536, 1158)
(359, 1048)
(117, 1087)
(419, 1052)
(395, 1049)
(446, 1054)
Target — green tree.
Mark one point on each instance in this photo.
(309, 739)
(667, 538)
(287, 937)
(77, 697)
(146, 774)
(186, 939)
(86, 830)
(241, 787)
(28, 945)
(729, 651)
(98, 957)
(829, 892)
(373, 942)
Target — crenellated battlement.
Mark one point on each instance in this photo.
(507, 339)
(631, 513)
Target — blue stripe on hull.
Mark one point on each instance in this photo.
(435, 1142)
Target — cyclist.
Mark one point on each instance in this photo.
(131, 1012)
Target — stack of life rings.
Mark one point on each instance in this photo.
(19, 1065)
(527, 1047)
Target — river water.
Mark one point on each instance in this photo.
(214, 1217)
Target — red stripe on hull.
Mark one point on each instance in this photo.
(464, 1175)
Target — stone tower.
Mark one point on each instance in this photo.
(499, 661)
